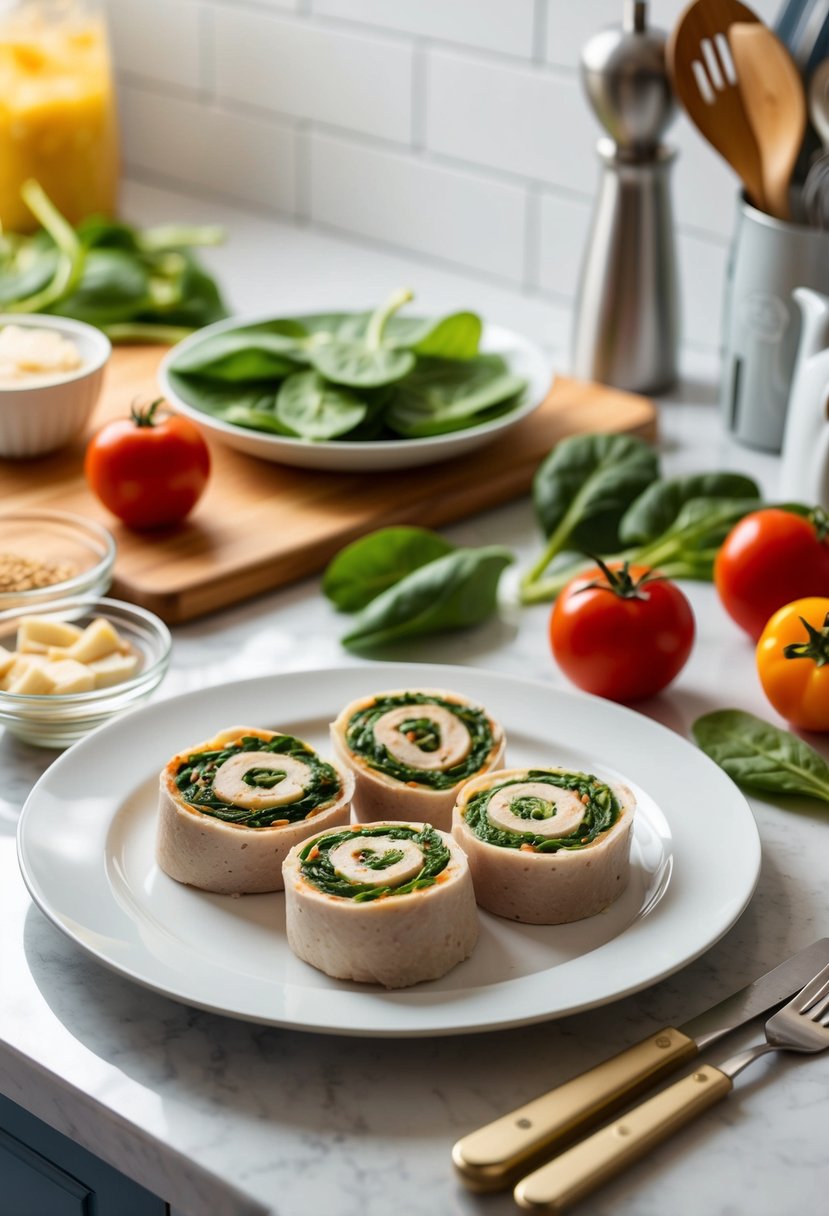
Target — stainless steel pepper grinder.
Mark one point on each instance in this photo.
(626, 327)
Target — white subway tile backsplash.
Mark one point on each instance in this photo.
(299, 69)
(359, 115)
(520, 120)
(404, 200)
(236, 155)
(157, 39)
(494, 25)
(565, 223)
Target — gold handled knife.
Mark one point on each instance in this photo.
(491, 1158)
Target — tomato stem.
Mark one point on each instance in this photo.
(621, 582)
(145, 416)
(816, 646)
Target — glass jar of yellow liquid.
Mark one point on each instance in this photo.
(58, 122)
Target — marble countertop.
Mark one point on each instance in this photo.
(223, 1118)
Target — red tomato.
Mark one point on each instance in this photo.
(148, 471)
(769, 559)
(620, 632)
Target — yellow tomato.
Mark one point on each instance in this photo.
(793, 662)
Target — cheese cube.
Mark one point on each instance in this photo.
(114, 669)
(37, 633)
(67, 675)
(33, 681)
(97, 640)
(57, 652)
(7, 660)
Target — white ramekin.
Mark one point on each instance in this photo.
(41, 418)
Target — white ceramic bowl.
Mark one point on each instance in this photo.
(40, 418)
(524, 359)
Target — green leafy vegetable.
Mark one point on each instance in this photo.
(370, 565)
(448, 395)
(366, 361)
(657, 508)
(134, 285)
(452, 592)
(254, 352)
(311, 407)
(454, 337)
(415, 376)
(581, 491)
(760, 756)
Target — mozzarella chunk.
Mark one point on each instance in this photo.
(97, 640)
(68, 675)
(37, 633)
(33, 681)
(113, 669)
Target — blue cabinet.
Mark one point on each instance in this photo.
(43, 1173)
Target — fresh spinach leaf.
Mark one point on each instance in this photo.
(452, 592)
(253, 352)
(456, 336)
(657, 508)
(315, 409)
(366, 360)
(444, 395)
(689, 545)
(137, 286)
(368, 566)
(760, 756)
(254, 419)
(217, 398)
(581, 492)
(114, 286)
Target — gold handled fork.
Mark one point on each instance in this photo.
(802, 1025)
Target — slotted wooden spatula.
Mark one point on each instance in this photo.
(775, 103)
(705, 81)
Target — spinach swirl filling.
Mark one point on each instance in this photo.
(194, 781)
(317, 868)
(361, 740)
(602, 810)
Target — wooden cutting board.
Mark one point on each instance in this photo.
(261, 525)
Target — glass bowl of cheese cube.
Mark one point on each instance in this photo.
(75, 664)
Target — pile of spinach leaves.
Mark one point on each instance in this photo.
(594, 494)
(353, 376)
(136, 285)
(602, 495)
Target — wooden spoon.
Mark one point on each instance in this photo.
(705, 81)
(775, 102)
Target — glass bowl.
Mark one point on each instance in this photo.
(83, 547)
(57, 720)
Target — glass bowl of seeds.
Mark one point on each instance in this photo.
(49, 555)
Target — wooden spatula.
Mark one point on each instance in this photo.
(775, 104)
(705, 81)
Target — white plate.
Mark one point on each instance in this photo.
(524, 359)
(85, 846)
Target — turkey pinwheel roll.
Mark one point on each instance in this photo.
(231, 809)
(410, 751)
(386, 903)
(545, 846)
